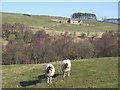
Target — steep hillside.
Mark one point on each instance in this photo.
(46, 21)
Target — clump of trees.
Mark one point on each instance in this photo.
(84, 15)
(16, 32)
(107, 46)
(29, 48)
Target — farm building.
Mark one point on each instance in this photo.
(113, 20)
(59, 21)
(71, 21)
(75, 21)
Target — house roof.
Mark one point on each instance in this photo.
(76, 19)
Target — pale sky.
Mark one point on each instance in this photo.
(63, 9)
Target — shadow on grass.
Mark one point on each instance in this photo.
(28, 83)
(44, 77)
(56, 75)
(34, 82)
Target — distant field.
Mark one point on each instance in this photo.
(85, 73)
(78, 33)
(36, 21)
(45, 21)
(99, 27)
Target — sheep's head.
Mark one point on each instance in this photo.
(66, 65)
(49, 69)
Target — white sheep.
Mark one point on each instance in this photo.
(66, 67)
(49, 72)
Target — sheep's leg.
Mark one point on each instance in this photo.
(50, 79)
(47, 79)
(68, 74)
(63, 74)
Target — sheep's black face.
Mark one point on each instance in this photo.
(66, 65)
(49, 69)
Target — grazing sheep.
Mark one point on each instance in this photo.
(66, 67)
(49, 72)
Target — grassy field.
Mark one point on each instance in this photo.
(99, 26)
(85, 73)
(36, 21)
(46, 21)
(78, 33)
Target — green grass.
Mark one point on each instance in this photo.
(99, 26)
(45, 21)
(85, 73)
(34, 20)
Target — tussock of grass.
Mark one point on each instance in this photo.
(85, 73)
